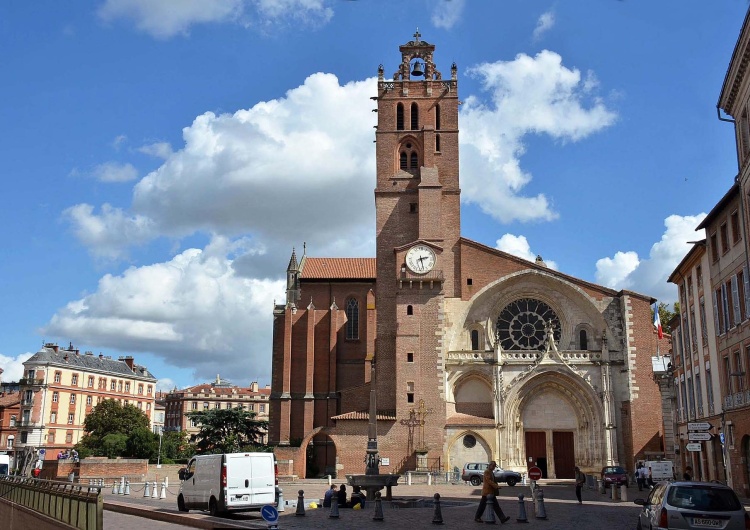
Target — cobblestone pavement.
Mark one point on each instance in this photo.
(459, 503)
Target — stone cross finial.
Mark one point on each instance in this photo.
(416, 36)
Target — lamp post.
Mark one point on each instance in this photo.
(158, 456)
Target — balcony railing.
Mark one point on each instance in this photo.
(25, 381)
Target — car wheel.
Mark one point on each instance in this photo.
(512, 482)
(181, 504)
(213, 508)
(476, 481)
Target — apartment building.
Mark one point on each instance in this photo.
(219, 394)
(694, 361)
(60, 388)
(10, 406)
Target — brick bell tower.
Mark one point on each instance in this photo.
(417, 203)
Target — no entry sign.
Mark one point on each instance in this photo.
(535, 473)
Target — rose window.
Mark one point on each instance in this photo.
(521, 325)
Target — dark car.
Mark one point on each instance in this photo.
(688, 505)
(474, 472)
(614, 475)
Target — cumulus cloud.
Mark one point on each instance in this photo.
(163, 19)
(304, 159)
(626, 270)
(446, 13)
(529, 95)
(544, 24)
(114, 172)
(13, 367)
(519, 246)
(165, 384)
(192, 311)
(157, 149)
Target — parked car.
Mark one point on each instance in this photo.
(474, 472)
(614, 475)
(688, 505)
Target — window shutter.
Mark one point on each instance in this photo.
(746, 281)
(716, 315)
(725, 307)
(736, 301)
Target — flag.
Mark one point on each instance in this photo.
(657, 322)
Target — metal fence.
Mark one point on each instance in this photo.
(78, 505)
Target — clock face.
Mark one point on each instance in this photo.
(420, 259)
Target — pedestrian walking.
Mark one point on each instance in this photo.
(641, 476)
(580, 481)
(490, 487)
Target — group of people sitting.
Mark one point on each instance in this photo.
(65, 455)
(357, 498)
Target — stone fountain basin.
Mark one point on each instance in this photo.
(373, 483)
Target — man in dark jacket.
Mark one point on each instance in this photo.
(491, 488)
(330, 494)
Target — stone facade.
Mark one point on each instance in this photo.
(474, 354)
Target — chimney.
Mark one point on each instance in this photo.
(101, 355)
(254, 386)
(129, 361)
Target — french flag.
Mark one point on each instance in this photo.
(657, 322)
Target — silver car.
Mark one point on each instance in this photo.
(690, 506)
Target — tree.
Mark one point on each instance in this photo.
(142, 443)
(110, 418)
(175, 445)
(666, 315)
(227, 430)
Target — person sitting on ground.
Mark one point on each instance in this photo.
(329, 495)
(342, 496)
(357, 498)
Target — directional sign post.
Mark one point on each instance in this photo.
(699, 436)
(699, 426)
(270, 515)
(694, 446)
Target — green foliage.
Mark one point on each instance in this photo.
(176, 446)
(108, 427)
(142, 443)
(227, 430)
(666, 315)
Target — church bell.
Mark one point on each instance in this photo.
(417, 72)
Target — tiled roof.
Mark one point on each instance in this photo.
(384, 415)
(338, 268)
(222, 390)
(468, 419)
(8, 400)
(86, 361)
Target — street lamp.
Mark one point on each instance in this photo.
(158, 456)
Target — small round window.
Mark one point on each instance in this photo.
(469, 441)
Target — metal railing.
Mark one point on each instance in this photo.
(78, 505)
(26, 381)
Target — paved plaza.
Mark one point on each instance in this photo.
(458, 505)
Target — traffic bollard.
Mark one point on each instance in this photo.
(334, 513)
(614, 492)
(114, 487)
(127, 487)
(437, 517)
(489, 511)
(146, 490)
(521, 510)
(624, 493)
(163, 494)
(541, 513)
(378, 514)
(281, 507)
(601, 486)
(154, 490)
(300, 504)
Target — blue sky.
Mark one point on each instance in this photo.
(161, 158)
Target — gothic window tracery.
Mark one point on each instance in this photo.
(352, 319)
(521, 324)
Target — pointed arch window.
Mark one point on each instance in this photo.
(414, 117)
(437, 118)
(403, 161)
(583, 339)
(414, 162)
(352, 322)
(437, 143)
(400, 117)
(474, 340)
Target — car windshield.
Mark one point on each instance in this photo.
(704, 498)
(614, 470)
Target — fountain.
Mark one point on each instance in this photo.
(372, 480)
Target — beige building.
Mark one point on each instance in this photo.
(60, 388)
(219, 394)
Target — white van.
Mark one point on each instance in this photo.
(660, 469)
(228, 482)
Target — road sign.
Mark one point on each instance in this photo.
(41, 452)
(699, 426)
(694, 446)
(721, 438)
(535, 473)
(269, 514)
(698, 436)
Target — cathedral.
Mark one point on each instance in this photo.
(474, 354)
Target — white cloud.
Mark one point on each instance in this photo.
(519, 246)
(118, 141)
(259, 171)
(193, 311)
(543, 24)
(115, 172)
(165, 384)
(446, 13)
(649, 276)
(13, 367)
(529, 95)
(157, 149)
(163, 19)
